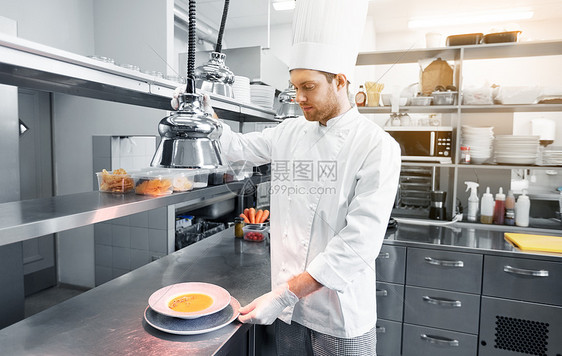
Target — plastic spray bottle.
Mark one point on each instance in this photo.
(522, 209)
(472, 201)
(510, 209)
(499, 208)
(487, 207)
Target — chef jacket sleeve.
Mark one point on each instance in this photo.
(254, 147)
(357, 245)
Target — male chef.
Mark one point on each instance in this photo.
(333, 184)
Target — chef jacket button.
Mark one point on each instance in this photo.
(311, 206)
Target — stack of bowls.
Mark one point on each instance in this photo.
(241, 89)
(510, 149)
(480, 140)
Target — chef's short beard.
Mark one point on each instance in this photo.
(328, 110)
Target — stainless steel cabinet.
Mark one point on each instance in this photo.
(523, 279)
(442, 309)
(390, 301)
(389, 337)
(510, 327)
(448, 270)
(426, 341)
(391, 264)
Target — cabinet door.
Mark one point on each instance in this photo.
(390, 264)
(523, 279)
(442, 309)
(389, 337)
(448, 270)
(509, 327)
(424, 341)
(390, 301)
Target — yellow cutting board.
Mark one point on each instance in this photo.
(543, 243)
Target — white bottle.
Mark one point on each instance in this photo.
(522, 208)
(487, 207)
(472, 201)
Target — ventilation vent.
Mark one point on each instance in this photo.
(525, 336)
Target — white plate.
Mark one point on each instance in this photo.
(159, 300)
(200, 325)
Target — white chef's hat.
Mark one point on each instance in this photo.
(327, 35)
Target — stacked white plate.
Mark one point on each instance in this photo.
(510, 149)
(552, 156)
(262, 95)
(241, 89)
(480, 140)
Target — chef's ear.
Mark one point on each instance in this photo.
(341, 80)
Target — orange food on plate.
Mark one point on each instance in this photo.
(189, 303)
(117, 181)
(154, 187)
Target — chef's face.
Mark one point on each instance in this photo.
(316, 95)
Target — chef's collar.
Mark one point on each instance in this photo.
(330, 124)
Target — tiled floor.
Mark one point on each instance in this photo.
(49, 297)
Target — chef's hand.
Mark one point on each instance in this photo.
(265, 309)
(207, 108)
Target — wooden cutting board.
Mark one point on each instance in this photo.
(526, 242)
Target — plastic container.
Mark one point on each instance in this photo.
(444, 97)
(487, 207)
(217, 175)
(238, 171)
(110, 182)
(182, 179)
(499, 208)
(522, 208)
(420, 101)
(465, 39)
(501, 37)
(256, 232)
(153, 183)
(386, 99)
(201, 178)
(472, 201)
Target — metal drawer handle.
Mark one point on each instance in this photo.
(382, 293)
(439, 340)
(384, 255)
(444, 263)
(380, 329)
(442, 301)
(525, 272)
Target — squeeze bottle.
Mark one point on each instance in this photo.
(522, 208)
(510, 209)
(472, 201)
(499, 208)
(487, 207)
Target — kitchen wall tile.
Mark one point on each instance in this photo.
(125, 221)
(103, 255)
(103, 274)
(127, 163)
(139, 238)
(121, 236)
(118, 272)
(121, 258)
(139, 219)
(158, 218)
(102, 234)
(139, 258)
(141, 162)
(158, 240)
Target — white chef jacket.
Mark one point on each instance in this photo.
(332, 192)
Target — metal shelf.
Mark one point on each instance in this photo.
(480, 51)
(409, 109)
(26, 219)
(506, 166)
(511, 108)
(28, 64)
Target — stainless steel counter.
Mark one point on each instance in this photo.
(108, 320)
(478, 238)
(26, 219)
